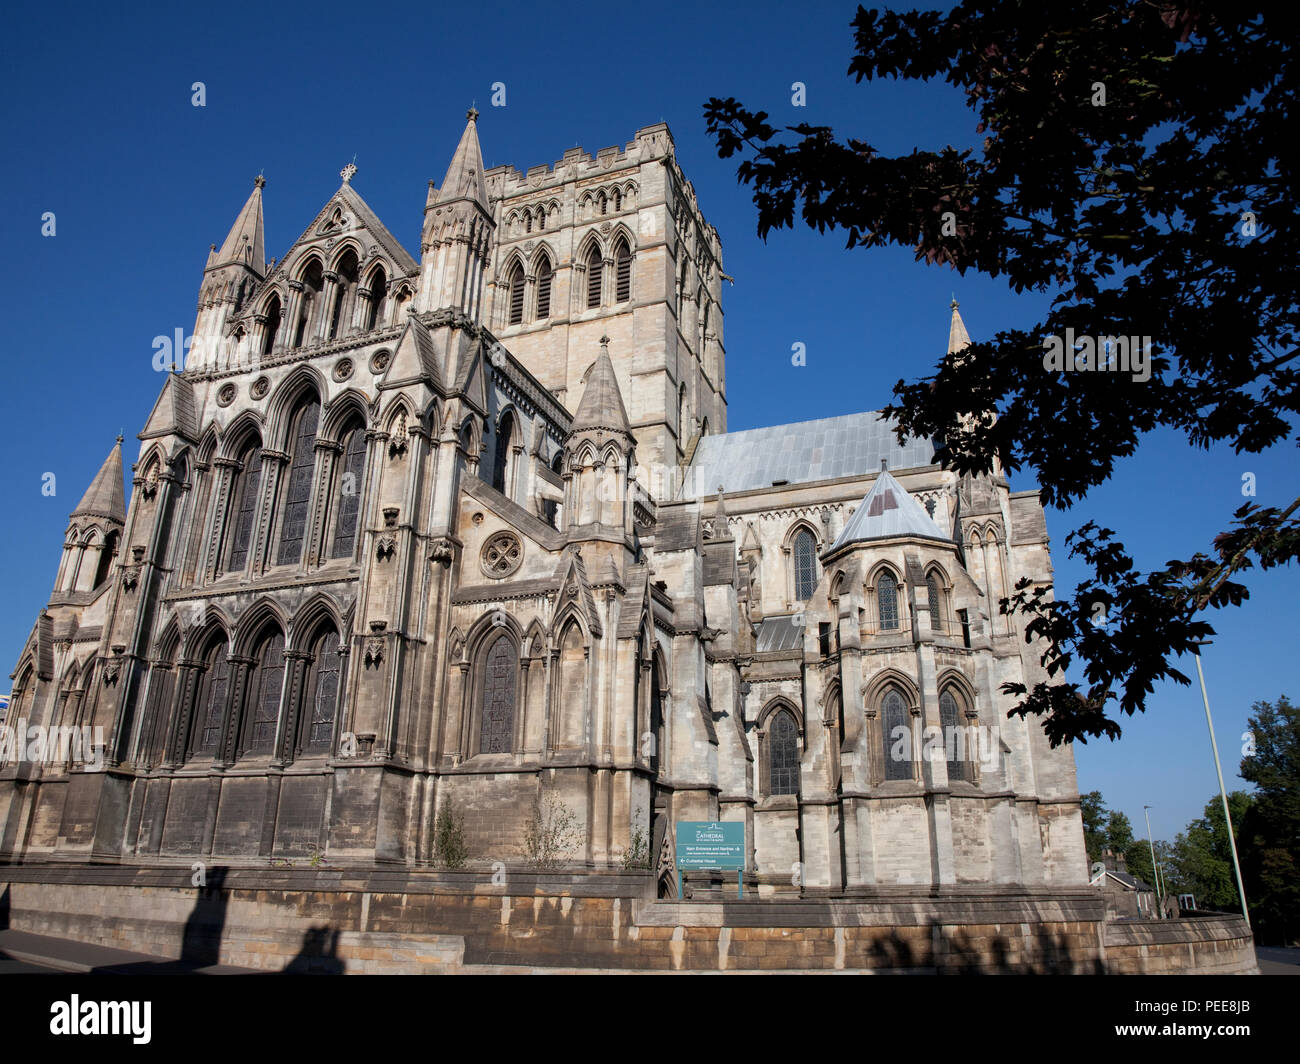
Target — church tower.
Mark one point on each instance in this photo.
(230, 277)
(457, 236)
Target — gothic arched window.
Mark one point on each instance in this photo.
(595, 267)
(264, 694)
(935, 602)
(622, 272)
(516, 295)
(896, 734)
(313, 281)
(348, 493)
(272, 325)
(950, 722)
(297, 495)
(804, 551)
(345, 290)
(497, 729)
(378, 289)
(501, 456)
(887, 600)
(320, 700)
(211, 704)
(544, 275)
(783, 753)
(243, 494)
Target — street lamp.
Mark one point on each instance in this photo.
(1227, 818)
(1155, 871)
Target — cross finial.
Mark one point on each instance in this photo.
(348, 172)
(259, 181)
(119, 435)
(604, 343)
(472, 113)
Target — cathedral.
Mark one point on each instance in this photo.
(466, 532)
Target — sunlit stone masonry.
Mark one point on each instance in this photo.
(466, 529)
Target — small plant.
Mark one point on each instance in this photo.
(551, 833)
(316, 857)
(449, 848)
(637, 855)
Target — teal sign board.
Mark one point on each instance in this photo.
(710, 844)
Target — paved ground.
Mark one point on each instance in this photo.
(24, 953)
(42, 953)
(1275, 960)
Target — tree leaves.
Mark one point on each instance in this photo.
(1162, 216)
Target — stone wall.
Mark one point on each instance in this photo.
(376, 921)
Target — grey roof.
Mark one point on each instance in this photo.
(807, 451)
(779, 633)
(888, 511)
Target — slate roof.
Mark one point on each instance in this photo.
(888, 511)
(807, 451)
(779, 633)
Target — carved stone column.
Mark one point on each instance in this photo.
(295, 670)
(228, 751)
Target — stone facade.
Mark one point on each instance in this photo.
(468, 530)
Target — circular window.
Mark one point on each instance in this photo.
(227, 394)
(260, 387)
(343, 369)
(379, 361)
(502, 555)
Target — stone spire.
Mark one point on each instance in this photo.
(597, 454)
(246, 243)
(464, 178)
(457, 235)
(958, 337)
(105, 496)
(602, 402)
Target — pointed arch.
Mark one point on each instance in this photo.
(802, 544)
(516, 283)
(885, 587)
(340, 412)
(298, 477)
(247, 427)
(504, 441)
(544, 271)
(594, 264)
(496, 688)
(622, 270)
(304, 382)
(262, 614)
(213, 695)
(377, 287)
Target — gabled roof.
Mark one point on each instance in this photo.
(174, 412)
(415, 358)
(105, 497)
(888, 511)
(807, 451)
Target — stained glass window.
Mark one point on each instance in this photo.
(783, 740)
(323, 690)
(265, 703)
(896, 732)
(244, 492)
(496, 735)
(349, 494)
(887, 600)
(297, 496)
(805, 565)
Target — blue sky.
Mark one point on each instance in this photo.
(100, 129)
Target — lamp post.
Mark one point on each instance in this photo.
(1227, 818)
(1155, 872)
